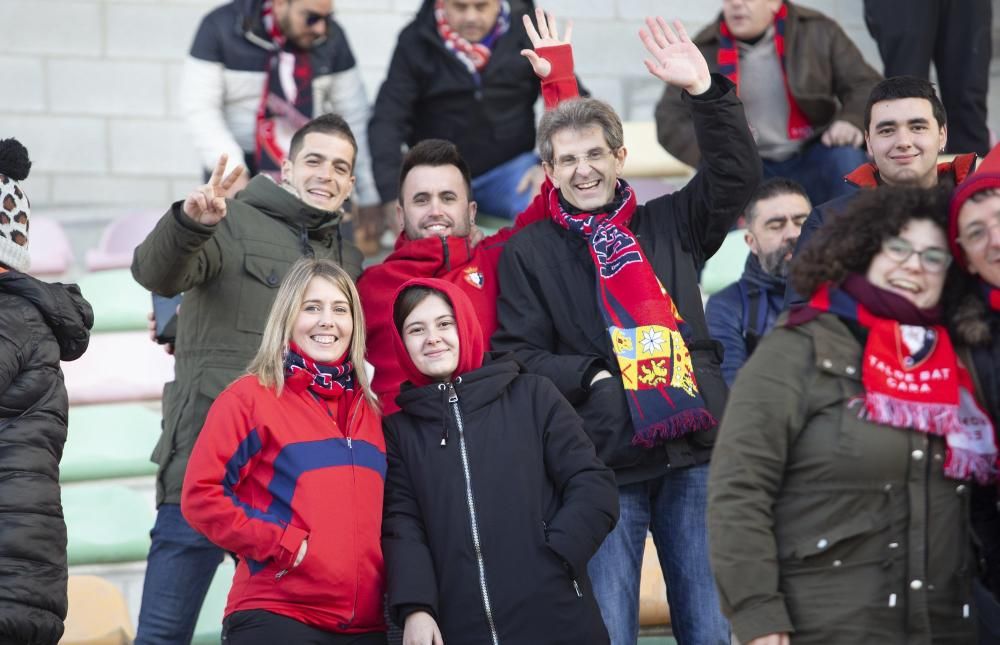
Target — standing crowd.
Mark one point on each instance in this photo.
(471, 440)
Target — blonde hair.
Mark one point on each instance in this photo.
(269, 363)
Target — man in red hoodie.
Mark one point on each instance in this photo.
(437, 217)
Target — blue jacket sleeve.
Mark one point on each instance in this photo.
(724, 315)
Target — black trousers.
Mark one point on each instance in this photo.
(259, 627)
(956, 36)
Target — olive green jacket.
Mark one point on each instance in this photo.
(229, 274)
(823, 524)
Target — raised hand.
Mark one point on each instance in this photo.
(547, 35)
(676, 60)
(207, 204)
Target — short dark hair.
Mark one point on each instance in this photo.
(905, 87)
(325, 124)
(772, 188)
(578, 114)
(435, 152)
(408, 300)
(848, 242)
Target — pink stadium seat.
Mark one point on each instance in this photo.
(114, 251)
(118, 367)
(49, 247)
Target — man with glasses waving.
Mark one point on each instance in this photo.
(602, 297)
(258, 70)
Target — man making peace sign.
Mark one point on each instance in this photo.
(228, 256)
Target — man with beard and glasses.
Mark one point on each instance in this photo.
(739, 315)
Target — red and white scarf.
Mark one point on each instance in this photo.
(728, 58)
(913, 380)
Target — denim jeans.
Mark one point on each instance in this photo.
(179, 570)
(819, 169)
(495, 191)
(672, 507)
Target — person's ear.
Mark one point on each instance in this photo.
(620, 156)
(473, 210)
(550, 173)
(286, 171)
(943, 136)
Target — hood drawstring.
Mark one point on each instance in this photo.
(444, 417)
(307, 248)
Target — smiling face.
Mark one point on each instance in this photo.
(434, 201)
(322, 172)
(904, 139)
(748, 19)
(324, 324)
(583, 167)
(775, 230)
(430, 335)
(979, 236)
(910, 277)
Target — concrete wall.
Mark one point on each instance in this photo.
(96, 81)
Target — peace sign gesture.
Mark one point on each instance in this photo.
(676, 60)
(207, 204)
(547, 35)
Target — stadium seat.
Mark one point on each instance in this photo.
(109, 441)
(119, 302)
(646, 157)
(726, 266)
(209, 626)
(98, 614)
(50, 249)
(114, 250)
(118, 367)
(106, 523)
(654, 614)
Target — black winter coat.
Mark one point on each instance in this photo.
(40, 324)
(547, 310)
(429, 94)
(543, 504)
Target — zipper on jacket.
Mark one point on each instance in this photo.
(473, 521)
(576, 586)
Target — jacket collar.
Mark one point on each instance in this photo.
(476, 389)
(62, 306)
(754, 274)
(867, 176)
(274, 201)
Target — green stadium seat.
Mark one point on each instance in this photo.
(209, 626)
(109, 441)
(119, 302)
(726, 266)
(106, 523)
(490, 224)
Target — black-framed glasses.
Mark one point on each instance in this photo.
(312, 18)
(933, 259)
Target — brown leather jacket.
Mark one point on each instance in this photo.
(828, 77)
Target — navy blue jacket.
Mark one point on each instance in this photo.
(728, 314)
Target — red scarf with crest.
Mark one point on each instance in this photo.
(728, 58)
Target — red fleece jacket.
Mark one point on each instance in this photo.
(268, 472)
(453, 259)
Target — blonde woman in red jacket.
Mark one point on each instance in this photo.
(288, 472)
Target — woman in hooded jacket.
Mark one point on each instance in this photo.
(40, 324)
(495, 499)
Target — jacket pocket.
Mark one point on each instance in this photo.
(852, 542)
(174, 403)
(262, 276)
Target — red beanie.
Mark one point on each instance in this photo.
(987, 176)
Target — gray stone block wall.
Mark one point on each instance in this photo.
(96, 81)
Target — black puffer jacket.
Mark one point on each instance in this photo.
(40, 324)
(543, 504)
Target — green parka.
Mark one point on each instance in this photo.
(229, 274)
(822, 524)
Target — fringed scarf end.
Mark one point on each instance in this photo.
(675, 427)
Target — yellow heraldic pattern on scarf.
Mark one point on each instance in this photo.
(651, 356)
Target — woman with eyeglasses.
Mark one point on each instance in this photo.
(840, 482)
(288, 473)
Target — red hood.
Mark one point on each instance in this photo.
(470, 333)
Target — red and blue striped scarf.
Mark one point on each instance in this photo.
(645, 329)
(328, 380)
(728, 58)
(913, 380)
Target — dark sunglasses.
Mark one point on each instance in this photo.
(312, 18)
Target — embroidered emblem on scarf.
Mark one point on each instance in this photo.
(287, 103)
(328, 380)
(646, 332)
(913, 380)
(475, 56)
(728, 59)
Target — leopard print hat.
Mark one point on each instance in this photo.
(15, 208)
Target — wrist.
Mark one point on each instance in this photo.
(700, 87)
